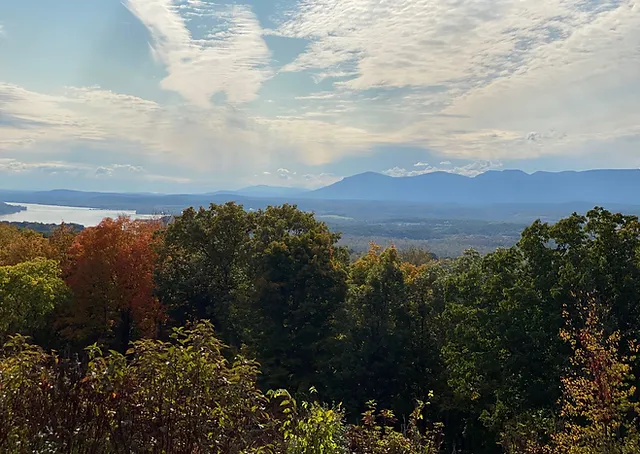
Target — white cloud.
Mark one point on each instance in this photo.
(286, 177)
(232, 59)
(317, 96)
(474, 79)
(421, 164)
(78, 170)
(469, 170)
(178, 137)
(314, 181)
(320, 142)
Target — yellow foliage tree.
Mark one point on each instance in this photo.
(21, 245)
(599, 412)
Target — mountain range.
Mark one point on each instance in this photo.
(497, 195)
(492, 187)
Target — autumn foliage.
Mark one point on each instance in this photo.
(110, 271)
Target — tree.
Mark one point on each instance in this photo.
(21, 245)
(60, 241)
(501, 350)
(599, 409)
(29, 293)
(299, 281)
(373, 331)
(203, 265)
(600, 253)
(110, 272)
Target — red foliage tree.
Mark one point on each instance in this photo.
(110, 270)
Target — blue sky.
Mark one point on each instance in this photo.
(196, 95)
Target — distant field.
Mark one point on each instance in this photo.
(445, 238)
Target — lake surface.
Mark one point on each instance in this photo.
(51, 214)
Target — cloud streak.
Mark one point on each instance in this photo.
(10, 166)
(231, 59)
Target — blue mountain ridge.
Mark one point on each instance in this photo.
(507, 186)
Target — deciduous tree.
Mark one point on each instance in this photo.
(29, 293)
(110, 272)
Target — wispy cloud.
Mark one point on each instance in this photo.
(472, 79)
(178, 136)
(80, 170)
(287, 177)
(231, 59)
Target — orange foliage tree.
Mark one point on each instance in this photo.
(110, 270)
(21, 245)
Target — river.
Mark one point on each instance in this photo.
(51, 214)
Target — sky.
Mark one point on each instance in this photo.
(197, 95)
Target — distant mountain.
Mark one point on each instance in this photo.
(493, 187)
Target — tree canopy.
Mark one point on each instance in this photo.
(230, 330)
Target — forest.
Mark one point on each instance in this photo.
(237, 331)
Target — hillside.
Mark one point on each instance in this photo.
(9, 209)
(493, 187)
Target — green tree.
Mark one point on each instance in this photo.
(203, 264)
(29, 294)
(373, 332)
(299, 280)
(502, 353)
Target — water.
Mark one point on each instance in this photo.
(51, 214)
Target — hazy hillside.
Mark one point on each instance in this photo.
(493, 187)
(9, 209)
(266, 191)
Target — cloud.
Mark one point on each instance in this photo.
(119, 168)
(179, 137)
(286, 177)
(474, 79)
(80, 170)
(319, 180)
(481, 81)
(231, 59)
(317, 96)
(8, 165)
(470, 170)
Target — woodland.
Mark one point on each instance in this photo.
(236, 331)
